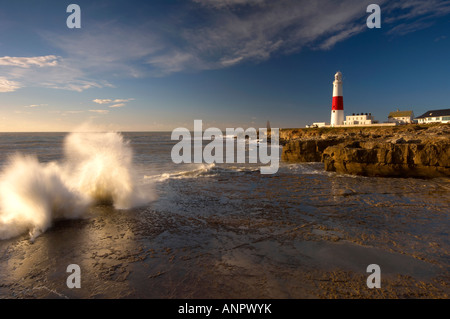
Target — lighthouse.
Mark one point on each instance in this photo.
(337, 108)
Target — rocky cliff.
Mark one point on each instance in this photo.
(307, 150)
(404, 151)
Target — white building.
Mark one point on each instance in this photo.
(434, 116)
(317, 124)
(360, 119)
(401, 117)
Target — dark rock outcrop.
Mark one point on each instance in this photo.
(310, 150)
(430, 159)
(405, 151)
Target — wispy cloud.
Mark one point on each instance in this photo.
(114, 102)
(347, 33)
(230, 32)
(74, 112)
(7, 85)
(413, 15)
(123, 100)
(107, 101)
(102, 101)
(76, 85)
(27, 62)
(176, 61)
(117, 105)
(44, 71)
(109, 47)
(100, 111)
(243, 30)
(35, 105)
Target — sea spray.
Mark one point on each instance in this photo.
(101, 166)
(32, 195)
(97, 167)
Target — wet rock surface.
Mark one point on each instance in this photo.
(294, 235)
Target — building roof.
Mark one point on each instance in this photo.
(435, 113)
(400, 114)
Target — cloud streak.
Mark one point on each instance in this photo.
(102, 101)
(7, 85)
(413, 15)
(115, 103)
(239, 31)
(27, 62)
(231, 32)
(100, 111)
(35, 105)
(44, 71)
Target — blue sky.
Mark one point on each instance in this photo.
(158, 65)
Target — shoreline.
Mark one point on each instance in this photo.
(134, 257)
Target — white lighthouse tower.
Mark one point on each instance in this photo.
(337, 108)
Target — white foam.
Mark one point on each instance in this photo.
(97, 167)
(199, 170)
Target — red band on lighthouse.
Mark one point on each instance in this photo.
(338, 103)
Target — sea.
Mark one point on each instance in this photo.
(140, 226)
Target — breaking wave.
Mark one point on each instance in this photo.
(203, 170)
(199, 170)
(97, 168)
